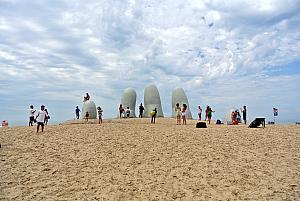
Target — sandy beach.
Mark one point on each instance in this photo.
(134, 160)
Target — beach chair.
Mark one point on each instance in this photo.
(257, 122)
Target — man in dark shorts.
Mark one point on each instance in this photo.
(77, 110)
(40, 118)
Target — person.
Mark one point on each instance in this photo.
(47, 118)
(100, 111)
(178, 114)
(86, 117)
(244, 111)
(77, 110)
(141, 109)
(40, 118)
(127, 112)
(121, 110)
(86, 97)
(153, 115)
(4, 123)
(183, 114)
(206, 112)
(199, 112)
(209, 114)
(31, 115)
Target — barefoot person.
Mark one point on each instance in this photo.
(153, 115)
(40, 118)
(183, 113)
(244, 111)
(77, 110)
(209, 114)
(141, 110)
(31, 115)
(86, 97)
(199, 112)
(178, 114)
(47, 118)
(100, 111)
(86, 117)
(121, 111)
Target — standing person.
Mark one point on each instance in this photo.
(153, 115)
(184, 108)
(100, 111)
(244, 111)
(206, 112)
(209, 114)
(47, 118)
(40, 118)
(141, 109)
(86, 117)
(31, 115)
(77, 110)
(178, 114)
(199, 112)
(121, 110)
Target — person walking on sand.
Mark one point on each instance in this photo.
(77, 110)
(31, 115)
(178, 114)
(141, 109)
(86, 117)
(199, 112)
(121, 110)
(100, 111)
(244, 111)
(183, 114)
(40, 118)
(153, 115)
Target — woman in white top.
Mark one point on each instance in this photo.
(178, 114)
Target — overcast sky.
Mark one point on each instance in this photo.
(222, 54)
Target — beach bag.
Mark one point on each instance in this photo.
(201, 125)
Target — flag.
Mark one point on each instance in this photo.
(275, 111)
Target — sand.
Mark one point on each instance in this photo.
(134, 160)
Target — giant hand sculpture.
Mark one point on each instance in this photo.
(178, 96)
(129, 100)
(152, 100)
(90, 107)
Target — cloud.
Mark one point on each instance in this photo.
(61, 49)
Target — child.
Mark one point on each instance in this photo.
(100, 111)
(40, 118)
(86, 117)
(184, 108)
(178, 114)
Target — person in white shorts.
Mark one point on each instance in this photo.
(40, 118)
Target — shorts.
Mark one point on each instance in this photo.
(40, 123)
(31, 119)
(183, 114)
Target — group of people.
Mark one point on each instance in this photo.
(41, 118)
(208, 113)
(87, 114)
(124, 113)
(180, 113)
(236, 116)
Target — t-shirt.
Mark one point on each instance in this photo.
(77, 111)
(41, 116)
(31, 112)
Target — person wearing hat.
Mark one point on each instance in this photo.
(40, 118)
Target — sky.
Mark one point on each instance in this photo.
(225, 54)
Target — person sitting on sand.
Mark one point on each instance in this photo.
(178, 114)
(127, 112)
(40, 118)
(121, 111)
(100, 111)
(183, 113)
(86, 117)
(86, 97)
(153, 115)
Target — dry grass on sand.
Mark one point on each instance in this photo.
(134, 160)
